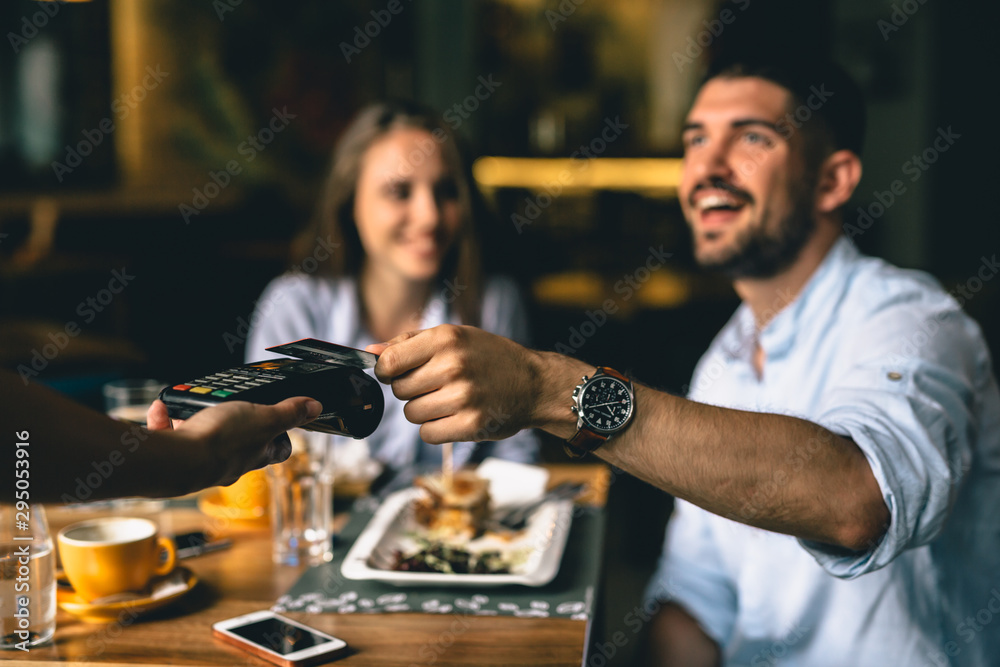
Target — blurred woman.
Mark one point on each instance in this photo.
(393, 248)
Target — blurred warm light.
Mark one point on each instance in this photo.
(587, 289)
(572, 289)
(665, 289)
(651, 176)
(130, 47)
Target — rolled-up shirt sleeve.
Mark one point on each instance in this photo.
(913, 418)
(690, 573)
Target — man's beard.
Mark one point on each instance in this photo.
(762, 253)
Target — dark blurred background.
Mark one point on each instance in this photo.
(114, 114)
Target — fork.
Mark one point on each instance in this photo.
(516, 518)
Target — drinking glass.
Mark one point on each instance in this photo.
(27, 577)
(302, 501)
(127, 401)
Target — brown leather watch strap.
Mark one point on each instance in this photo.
(613, 373)
(572, 452)
(586, 441)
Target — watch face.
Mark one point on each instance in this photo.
(606, 404)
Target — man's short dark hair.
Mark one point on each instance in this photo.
(828, 102)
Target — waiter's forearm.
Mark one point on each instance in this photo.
(76, 454)
(775, 472)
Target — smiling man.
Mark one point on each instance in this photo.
(746, 190)
(837, 462)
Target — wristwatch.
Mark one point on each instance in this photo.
(604, 405)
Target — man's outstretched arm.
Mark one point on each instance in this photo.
(775, 472)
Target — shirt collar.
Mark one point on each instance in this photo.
(777, 337)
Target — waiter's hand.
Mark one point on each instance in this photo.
(233, 438)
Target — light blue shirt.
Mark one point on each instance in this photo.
(884, 357)
(295, 306)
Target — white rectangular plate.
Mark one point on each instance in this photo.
(393, 527)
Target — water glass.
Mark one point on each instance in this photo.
(27, 577)
(127, 401)
(302, 501)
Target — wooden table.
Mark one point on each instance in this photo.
(243, 579)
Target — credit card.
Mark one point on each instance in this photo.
(312, 349)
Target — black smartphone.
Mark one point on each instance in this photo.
(332, 374)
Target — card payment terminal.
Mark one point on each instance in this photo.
(332, 374)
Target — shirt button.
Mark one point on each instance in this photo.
(894, 376)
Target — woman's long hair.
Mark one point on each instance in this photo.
(334, 217)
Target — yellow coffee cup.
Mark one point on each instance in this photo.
(113, 555)
(250, 492)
